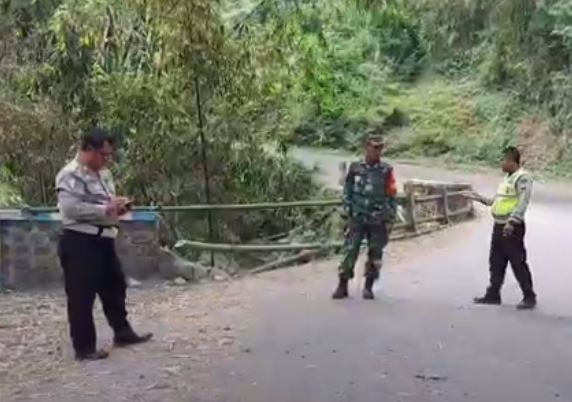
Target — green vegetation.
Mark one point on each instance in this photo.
(345, 59)
(444, 78)
(456, 118)
(8, 196)
(146, 68)
(517, 54)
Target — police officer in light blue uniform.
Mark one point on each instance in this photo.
(90, 212)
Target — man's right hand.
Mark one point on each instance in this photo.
(111, 209)
(124, 205)
(122, 201)
(117, 206)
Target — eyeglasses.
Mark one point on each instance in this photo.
(105, 154)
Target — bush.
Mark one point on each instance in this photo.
(454, 118)
(346, 58)
(438, 118)
(35, 145)
(9, 197)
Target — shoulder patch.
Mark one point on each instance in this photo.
(386, 165)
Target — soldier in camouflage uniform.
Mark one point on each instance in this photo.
(90, 213)
(369, 207)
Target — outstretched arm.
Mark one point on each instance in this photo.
(473, 195)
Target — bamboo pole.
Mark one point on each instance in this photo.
(283, 262)
(402, 198)
(212, 207)
(204, 162)
(263, 248)
(255, 247)
(217, 207)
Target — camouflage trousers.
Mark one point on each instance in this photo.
(377, 235)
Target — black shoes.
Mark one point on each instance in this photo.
(97, 355)
(341, 291)
(128, 337)
(528, 303)
(490, 300)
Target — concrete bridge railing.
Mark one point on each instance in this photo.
(28, 237)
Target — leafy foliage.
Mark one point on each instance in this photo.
(342, 57)
(455, 118)
(267, 73)
(146, 68)
(9, 197)
(33, 146)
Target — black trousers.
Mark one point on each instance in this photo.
(91, 268)
(505, 249)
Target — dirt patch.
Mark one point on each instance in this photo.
(193, 326)
(536, 144)
(198, 330)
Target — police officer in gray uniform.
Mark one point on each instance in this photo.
(90, 213)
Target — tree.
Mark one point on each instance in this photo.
(134, 65)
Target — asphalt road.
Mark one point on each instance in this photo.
(278, 337)
(422, 340)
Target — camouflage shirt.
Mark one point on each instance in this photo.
(369, 192)
(82, 195)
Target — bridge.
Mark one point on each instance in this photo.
(278, 336)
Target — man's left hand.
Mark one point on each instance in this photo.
(123, 205)
(389, 226)
(508, 230)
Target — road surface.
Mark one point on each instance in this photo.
(279, 338)
(422, 340)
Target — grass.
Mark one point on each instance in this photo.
(456, 120)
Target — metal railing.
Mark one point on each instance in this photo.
(410, 217)
(423, 207)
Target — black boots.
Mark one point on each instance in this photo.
(341, 291)
(368, 289)
(128, 337)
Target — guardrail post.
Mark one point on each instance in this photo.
(472, 213)
(446, 205)
(411, 210)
